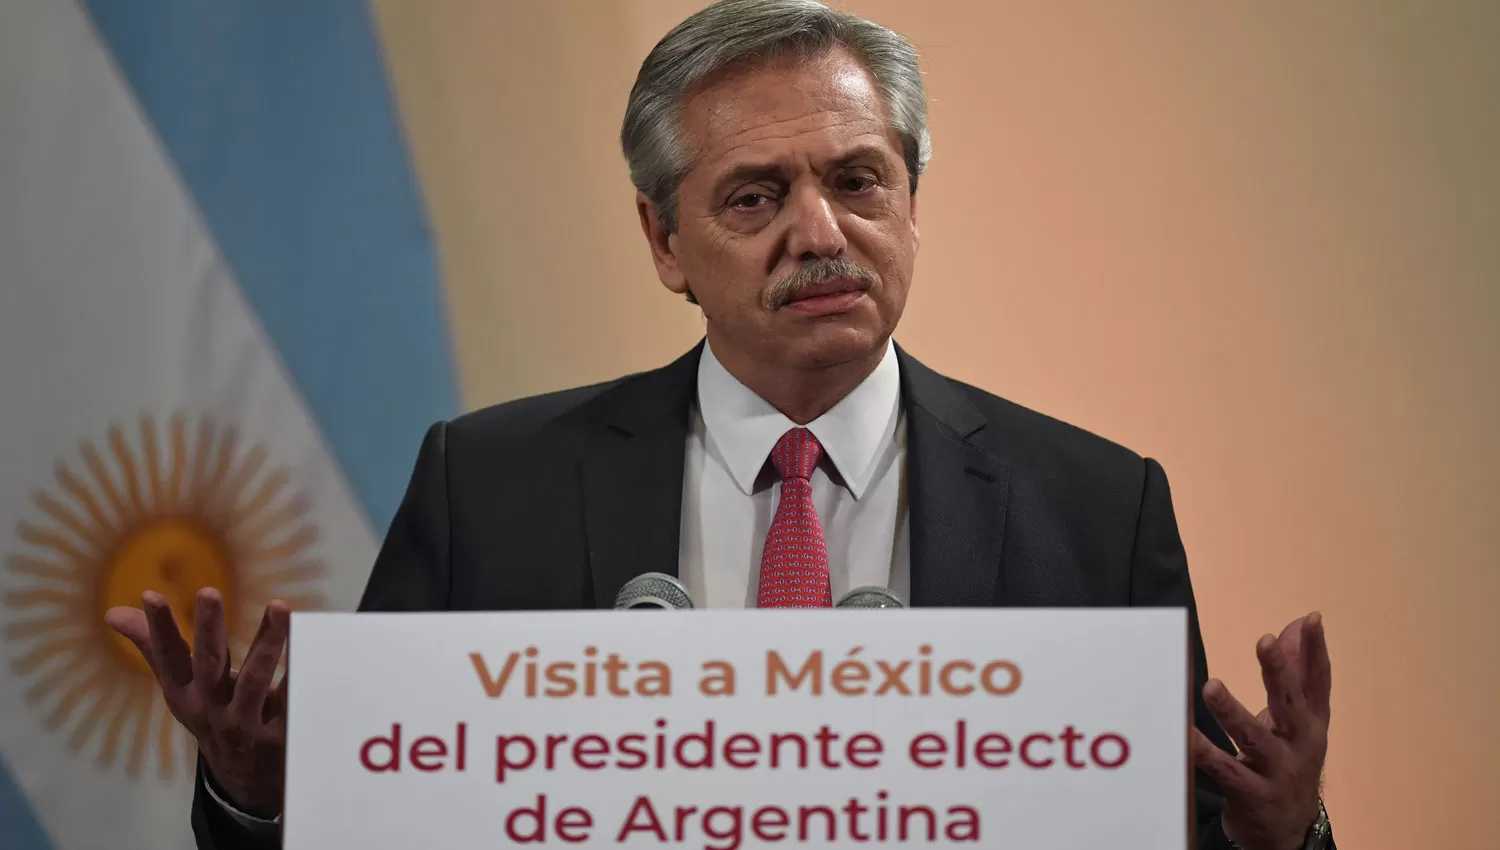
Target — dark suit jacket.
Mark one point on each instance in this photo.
(554, 502)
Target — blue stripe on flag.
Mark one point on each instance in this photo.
(278, 116)
(17, 822)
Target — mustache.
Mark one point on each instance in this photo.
(814, 272)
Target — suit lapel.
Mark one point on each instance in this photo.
(958, 495)
(632, 470)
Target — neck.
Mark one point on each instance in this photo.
(801, 393)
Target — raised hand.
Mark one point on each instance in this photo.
(1271, 788)
(238, 719)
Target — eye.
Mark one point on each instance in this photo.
(754, 196)
(749, 200)
(857, 182)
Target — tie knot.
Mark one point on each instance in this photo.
(796, 454)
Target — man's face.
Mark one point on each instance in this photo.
(796, 227)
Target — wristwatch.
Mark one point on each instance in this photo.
(1319, 835)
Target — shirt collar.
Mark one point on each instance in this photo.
(743, 427)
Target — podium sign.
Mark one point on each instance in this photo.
(730, 729)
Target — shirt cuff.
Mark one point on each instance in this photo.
(250, 822)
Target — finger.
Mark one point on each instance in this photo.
(255, 677)
(170, 653)
(211, 648)
(276, 702)
(1229, 772)
(1283, 687)
(131, 624)
(1253, 739)
(1317, 675)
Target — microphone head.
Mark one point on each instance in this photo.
(870, 597)
(653, 591)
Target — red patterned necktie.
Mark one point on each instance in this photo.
(794, 565)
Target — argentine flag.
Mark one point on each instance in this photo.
(221, 339)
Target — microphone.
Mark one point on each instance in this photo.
(870, 597)
(653, 591)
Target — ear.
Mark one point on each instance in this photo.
(916, 238)
(663, 248)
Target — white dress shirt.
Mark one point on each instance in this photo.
(729, 493)
(730, 490)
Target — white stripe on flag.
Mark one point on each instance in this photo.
(118, 310)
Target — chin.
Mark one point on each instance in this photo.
(831, 344)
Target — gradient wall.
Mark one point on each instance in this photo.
(1256, 241)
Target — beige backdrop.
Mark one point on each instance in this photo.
(1256, 241)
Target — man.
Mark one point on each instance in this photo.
(777, 148)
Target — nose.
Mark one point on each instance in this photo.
(813, 230)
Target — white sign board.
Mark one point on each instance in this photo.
(730, 729)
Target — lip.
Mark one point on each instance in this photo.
(828, 297)
(833, 303)
(832, 286)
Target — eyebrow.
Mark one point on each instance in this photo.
(748, 173)
(861, 151)
(751, 172)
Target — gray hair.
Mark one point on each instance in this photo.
(735, 32)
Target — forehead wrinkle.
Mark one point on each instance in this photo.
(721, 120)
(726, 152)
(841, 92)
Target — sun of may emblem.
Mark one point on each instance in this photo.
(171, 512)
